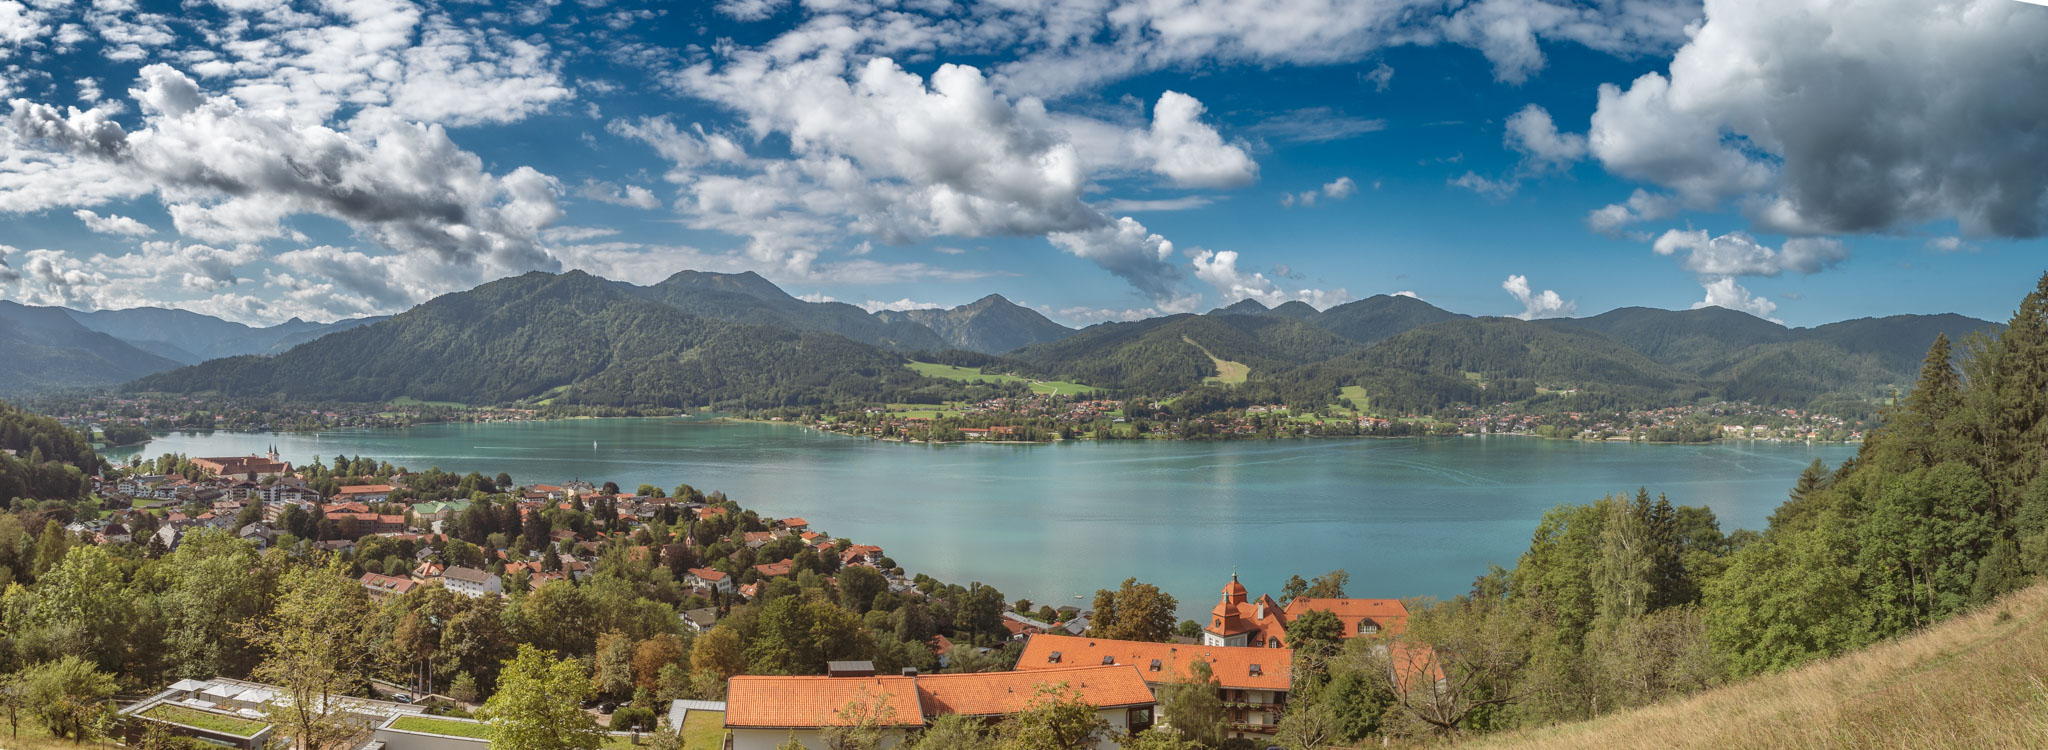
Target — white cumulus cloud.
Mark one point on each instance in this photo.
(1538, 305)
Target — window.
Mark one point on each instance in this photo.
(1368, 627)
(1258, 670)
(1054, 658)
(1140, 719)
(1155, 665)
(1275, 643)
(1108, 660)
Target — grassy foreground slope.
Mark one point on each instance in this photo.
(1976, 681)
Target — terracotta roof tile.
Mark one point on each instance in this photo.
(1000, 693)
(1230, 665)
(796, 702)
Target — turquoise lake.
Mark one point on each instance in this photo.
(1407, 517)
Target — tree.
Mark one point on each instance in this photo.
(1328, 586)
(69, 696)
(1134, 612)
(1055, 719)
(1192, 706)
(1456, 659)
(13, 698)
(612, 677)
(315, 644)
(719, 654)
(654, 655)
(858, 586)
(1307, 725)
(863, 724)
(463, 688)
(536, 706)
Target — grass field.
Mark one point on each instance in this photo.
(443, 726)
(410, 401)
(1227, 372)
(1977, 681)
(204, 720)
(703, 730)
(974, 374)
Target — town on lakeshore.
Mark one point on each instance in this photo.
(415, 538)
(1039, 417)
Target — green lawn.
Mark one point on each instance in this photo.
(703, 730)
(410, 401)
(974, 374)
(1227, 372)
(238, 727)
(450, 727)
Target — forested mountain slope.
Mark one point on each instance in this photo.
(748, 298)
(990, 325)
(527, 336)
(44, 348)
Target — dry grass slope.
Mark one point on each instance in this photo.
(1978, 681)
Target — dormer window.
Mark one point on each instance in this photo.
(1258, 670)
(1155, 665)
(1108, 660)
(1368, 627)
(1054, 658)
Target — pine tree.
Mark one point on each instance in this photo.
(2019, 425)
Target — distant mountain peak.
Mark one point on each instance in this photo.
(1245, 306)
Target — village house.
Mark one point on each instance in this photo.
(1262, 623)
(1252, 682)
(251, 468)
(775, 569)
(471, 582)
(708, 579)
(700, 620)
(765, 712)
(861, 554)
(364, 493)
(381, 586)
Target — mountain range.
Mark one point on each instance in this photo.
(697, 338)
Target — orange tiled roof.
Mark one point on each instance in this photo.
(755, 701)
(1000, 693)
(771, 570)
(1232, 666)
(1389, 614)
(365, 489)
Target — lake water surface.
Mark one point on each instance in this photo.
(1405, 517)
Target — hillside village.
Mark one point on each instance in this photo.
(405, 540)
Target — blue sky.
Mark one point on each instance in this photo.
(1803, 160)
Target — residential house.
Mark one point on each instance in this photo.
(701, 619)
(1022, 627)
(471, 582)
(288, 489)
(861, 554)
(706, 578)
(1252, 682)
(1237, 621)
(364, 493)
(381, 586)
(263, 534)
(764, 712)
(775, 569)
(794, 524)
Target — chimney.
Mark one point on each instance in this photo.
(910, 671)
(1262, 610)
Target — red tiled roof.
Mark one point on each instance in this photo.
(791, 523)
(798, 702)
(707, 574)
(365, 489)
(1000, 693)
(1230, 666)
(1389, 614)
(771, 570)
